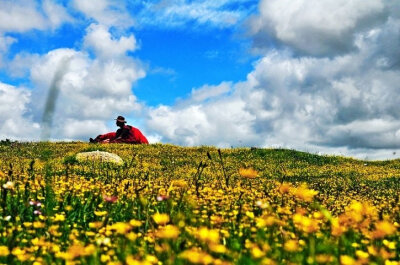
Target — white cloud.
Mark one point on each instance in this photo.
(99, 38)
(345, 104)
(83, 128)
(105, 12)
(13, 110)
(56, 14)
(316, 27)
(175, 13)
(208, 92)
(219, 121)
(22, 16)
(5, 43)
(89, 89)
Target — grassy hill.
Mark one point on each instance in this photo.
(177, 205)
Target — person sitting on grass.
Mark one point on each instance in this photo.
(125, 134)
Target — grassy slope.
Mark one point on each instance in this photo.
(58, 181)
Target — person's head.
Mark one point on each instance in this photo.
(120, 121)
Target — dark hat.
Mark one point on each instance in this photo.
(120, 119)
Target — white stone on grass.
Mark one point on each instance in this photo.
(99, 156)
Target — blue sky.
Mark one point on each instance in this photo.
(317, 75)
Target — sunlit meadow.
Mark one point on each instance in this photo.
(172, 205)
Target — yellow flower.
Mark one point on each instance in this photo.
(256, 252)
(291, 245)
(100, 213)
(135, 223)
(4, 251)
(196, 256)
(168, 232)
(347, 260)
(336, 228)
(207, 235)
(120, 227)
(383, 228)
(250, 214)
(104, 258)
(284, 188)
(217, 248)
(95, 225)
(38, 224)
(59, 218)
(161, 218)
(264, 221)
(323, 258)
(179, 183)
(305, 194)
(248, 173)
(361, 254)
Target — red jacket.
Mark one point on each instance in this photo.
(126, 134)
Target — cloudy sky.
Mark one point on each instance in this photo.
(321, 76)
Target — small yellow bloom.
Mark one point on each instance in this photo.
(323, 258)
(161, 218)
(250, 214)
(347, 260)
(291, 245)
(59, 218)
(120, 227)
(248, 173)
(196, 256)
(100, 213)
(256, 252)
(217, 248)
(304, 193)
(361, 254)
(168, 232)
(4, 251)
(208, 235)
(383, 228)
(38, 224)
(135, 223)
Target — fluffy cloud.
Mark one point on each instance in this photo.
(21, 16)
(13, 114)
(56, 14)
(316, 27)
(99, 38)
(105, 12)
(89, 90)
(343, 104)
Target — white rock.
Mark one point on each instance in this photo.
(99, 156)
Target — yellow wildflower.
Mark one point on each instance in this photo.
(248, 173)
(4, 251)
(207, 235)
(196, 256)
(347, 260)
(120, 227)
(323, 258)
(291, 245)
(100, 213)
(383, 228)
(168, 232)
(59, 218)
(256, 252)
(161, 218)
(304, 193)
(135, 223)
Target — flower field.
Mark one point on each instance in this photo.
(172, 205)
